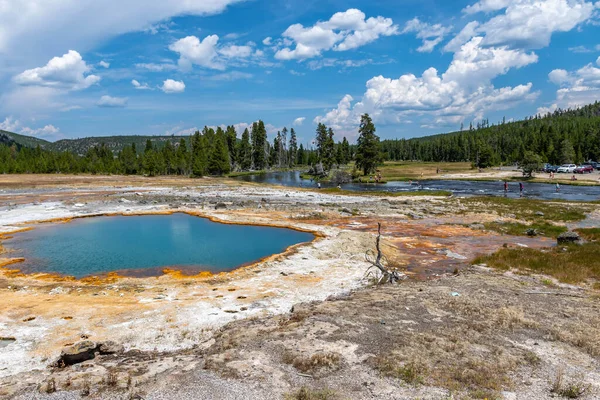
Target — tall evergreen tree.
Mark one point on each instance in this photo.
(232, 146)
(259, 145)
(367, 151)
(218, 163)
(199, 156)
(245, 152)
(293, 148)
(182, 158)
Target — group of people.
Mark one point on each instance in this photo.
(522, 187)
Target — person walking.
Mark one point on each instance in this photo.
(505, 186)
(521, 189)
(557, 187)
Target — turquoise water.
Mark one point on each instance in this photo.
(144, 245)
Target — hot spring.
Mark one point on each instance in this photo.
(145, 245)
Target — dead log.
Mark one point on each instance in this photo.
(382, 273)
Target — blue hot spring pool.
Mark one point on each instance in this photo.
(145, 245)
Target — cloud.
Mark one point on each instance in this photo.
(65, 72)
(296, 73)
(531, 23)
(192, 51)
(156, 67)
(172, 86)
(431, 35)
(577, 88)
(465, 89)
(299, 121)
(140, 86)
(112, 102)
(487, 6)
(12, 125)
(30, 23)
(467, 33)
(104, 64)
(208, 54)
(343, 31)
(267, 41)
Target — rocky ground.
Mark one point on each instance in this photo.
(305, 324)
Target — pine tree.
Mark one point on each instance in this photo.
(199, 156)
(245, 152)
(218, 163)
(182, 158)
(300, 157)
(232, 146)
(367, 151)
(329, 151)
(346, 156)
(567, 155)
(293, 148)
(259, 145)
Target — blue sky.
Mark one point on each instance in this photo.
(91, 67)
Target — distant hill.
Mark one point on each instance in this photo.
(9, 138)
(81, 146)
(113, 143)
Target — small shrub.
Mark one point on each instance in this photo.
(309, 394)
(316, 362)
(410, 372)
(569, 390)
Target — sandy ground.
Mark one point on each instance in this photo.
(232, 336)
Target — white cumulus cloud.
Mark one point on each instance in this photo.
(343, 31)
(104, 64)
(112, 102)
(577, 88)
(65, 72)
(172, 86)
(464, 89)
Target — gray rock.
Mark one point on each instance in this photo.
(346, 210)
(539, 213)
(110, 347)
(568, 237)
(77, 353)
(220, 206)
(531, 232)
(479, 227)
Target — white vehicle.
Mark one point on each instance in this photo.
(567, 168)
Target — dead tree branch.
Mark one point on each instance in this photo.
(382, 274)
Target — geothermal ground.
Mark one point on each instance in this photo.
(305, 324)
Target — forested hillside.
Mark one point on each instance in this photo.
(560, 137)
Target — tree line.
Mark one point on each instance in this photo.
(209, 152)
(563, 136)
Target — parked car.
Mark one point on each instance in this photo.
(584, 169)
(549, 168)
(566, 168)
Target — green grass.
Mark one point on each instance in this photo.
(516, 229)
(579, 263)
(589, 234)
(407, 170)
(245, 173)
(527, 208)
